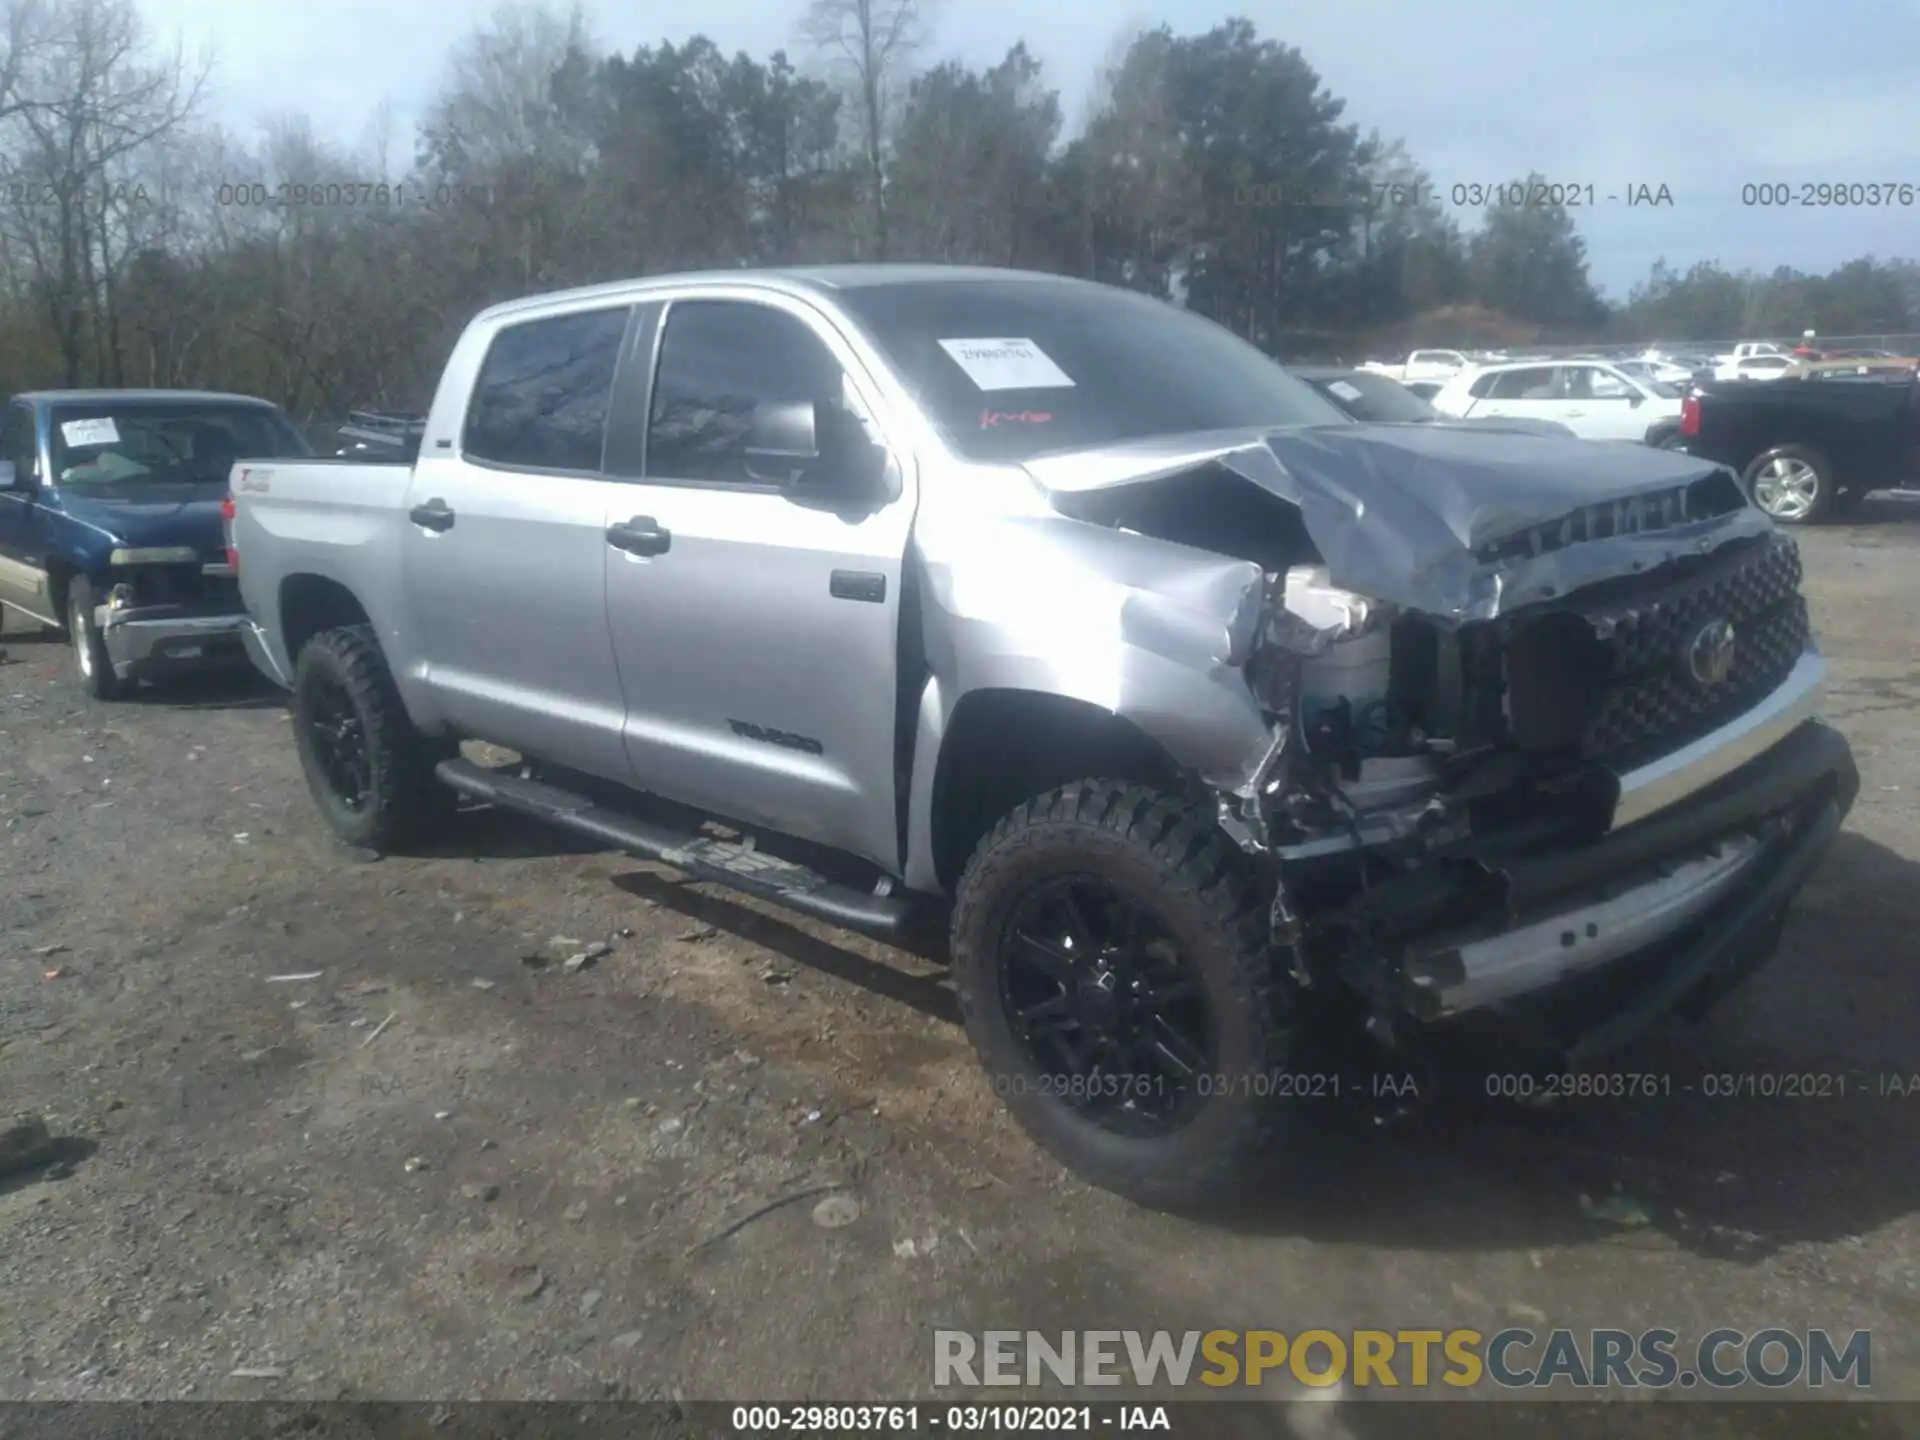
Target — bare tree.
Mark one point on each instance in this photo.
(496, 107)
(872, 43)
(87, 100)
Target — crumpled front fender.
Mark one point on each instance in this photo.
(1015, 596)
(1153, 632)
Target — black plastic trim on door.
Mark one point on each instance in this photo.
(863, 585)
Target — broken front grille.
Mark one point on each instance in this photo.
(1662, 707)
(1613, 675)
(1703, 499)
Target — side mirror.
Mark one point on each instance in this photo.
(9, 477)
(851, 468)
(1636, 400)
(818, 452)
(782, 440)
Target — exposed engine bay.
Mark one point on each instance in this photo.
(1415, 747)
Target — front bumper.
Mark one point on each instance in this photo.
(152, 642)
(1599, 941)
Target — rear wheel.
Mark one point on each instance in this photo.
(90, 657)
(1793, 484)
(370, 770)
(1111, 957)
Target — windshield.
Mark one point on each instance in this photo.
(1010, 369)
(1375, 397)
(100, 444)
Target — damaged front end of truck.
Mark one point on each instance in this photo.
(1542, 746)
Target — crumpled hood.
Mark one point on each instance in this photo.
(1514, 424)
(148, 513)
(1398, 512)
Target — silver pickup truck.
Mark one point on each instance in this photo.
(1218, 724)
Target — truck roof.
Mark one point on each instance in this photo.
(110, 397)
(793, 279)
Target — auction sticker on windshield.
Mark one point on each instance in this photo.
(1344, 390)
(1007, 364)
(91, 432)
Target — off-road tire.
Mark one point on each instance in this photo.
(91, 662)
(406, 802)
(1165, 854)
(1825, 497)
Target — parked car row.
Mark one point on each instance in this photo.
(1231, 736)
(1807, 445)
(1430, 370)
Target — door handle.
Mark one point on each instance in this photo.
(641, 535)
(434, 515)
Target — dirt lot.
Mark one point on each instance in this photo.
(436, 1170)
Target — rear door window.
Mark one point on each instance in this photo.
(1531, 384)
(541, 400)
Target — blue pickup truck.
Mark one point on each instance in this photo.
(110, 524)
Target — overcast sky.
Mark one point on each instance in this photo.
(1702, 96)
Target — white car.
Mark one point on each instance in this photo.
(1754, 367)
(1747, 350)
(1422, 365)
(1593, 398)
(1667, 372)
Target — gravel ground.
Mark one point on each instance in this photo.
(446, 1166)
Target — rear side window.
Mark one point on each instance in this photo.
(1590, 382)
(541, 400)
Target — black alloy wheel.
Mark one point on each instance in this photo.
(370, 770)
(338, 735)
(1104, 1005)
(1114, 965)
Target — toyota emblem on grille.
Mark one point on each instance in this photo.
(1709, 655)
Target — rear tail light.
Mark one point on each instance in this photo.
(1690, 415)
(227, 509)
(227, 513)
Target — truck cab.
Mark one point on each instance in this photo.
(110, 524)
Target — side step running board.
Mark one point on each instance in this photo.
(766, 876)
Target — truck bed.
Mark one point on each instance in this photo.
(337, 519)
